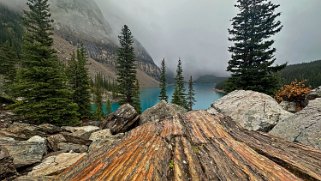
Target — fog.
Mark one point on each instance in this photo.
(196, 31)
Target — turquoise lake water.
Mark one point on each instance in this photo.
(204, 95)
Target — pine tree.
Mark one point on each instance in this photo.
(252, 53)
(41, 80)
(191, 93)
(163, 84)
(79, 81)
(136, 98)
(179, 92)
(126, 68)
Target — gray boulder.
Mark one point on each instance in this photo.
(315, 93)
(7, 168)
(67, 147)
(121, 121)
(54, 140)
(252, 110)
(28, 152)
(289, 106)
(303, 127)
(161, 111)
(25, 131)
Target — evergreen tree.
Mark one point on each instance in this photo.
(179, 92)
(252, 53)
(109, 107)
(79, 81)
(126, 68)
(98, 101)
(136, 98)
(163, 84)
(191, 93)
(41, 79)
(8, 61)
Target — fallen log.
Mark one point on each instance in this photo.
(198, 146)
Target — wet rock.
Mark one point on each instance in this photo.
(121, 121)
(303, 127)
(252, 110)
(198, 146)
(55, 164)
(161, 111)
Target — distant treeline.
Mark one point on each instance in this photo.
(311, 72)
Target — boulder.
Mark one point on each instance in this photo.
(54, 140)
(55, 164)
(252, 110)
(198, 146)
(100, 135)
(161, 111)
(24, 130)
(315, 93)
(49, 128)
(121, 121)
(67, 147)
(28, 152)
(76, 140)
(6, 119)
(82, 132)
(303, 127)
(103, 138)
(289, 106)
(7, 168)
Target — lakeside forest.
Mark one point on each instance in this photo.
(32, 71)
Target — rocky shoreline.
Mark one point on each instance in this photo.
(187, 140)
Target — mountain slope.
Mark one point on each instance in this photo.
(305, 71)
(82, 21)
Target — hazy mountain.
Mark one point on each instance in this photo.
(82, 21)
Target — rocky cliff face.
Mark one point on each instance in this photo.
(82, 21)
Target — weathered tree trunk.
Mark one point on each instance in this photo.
(198, 146)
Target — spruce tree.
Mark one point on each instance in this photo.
(179, 97)
(41, 79)
(79, 82)
(252, 59)
(8, 62)
(98, 101)
(126, 68)
(191, 95)
(162, 84)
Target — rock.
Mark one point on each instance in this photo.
(101, 135)
(30, 178)
(54, 140)
(121, 121)
(6, 119)
(24, 130)
(76, 140)
(7, 168)
(289, 106)
(315, 93)
(252, 110)
(26, 153)
(67, 147)
(49, 128)
(82, 132)
(103, 138)
(198, 146)
(55, 164)
(161, 111)
(303, 127)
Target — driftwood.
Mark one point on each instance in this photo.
(198, 146)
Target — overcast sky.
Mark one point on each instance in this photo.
(196, 30)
